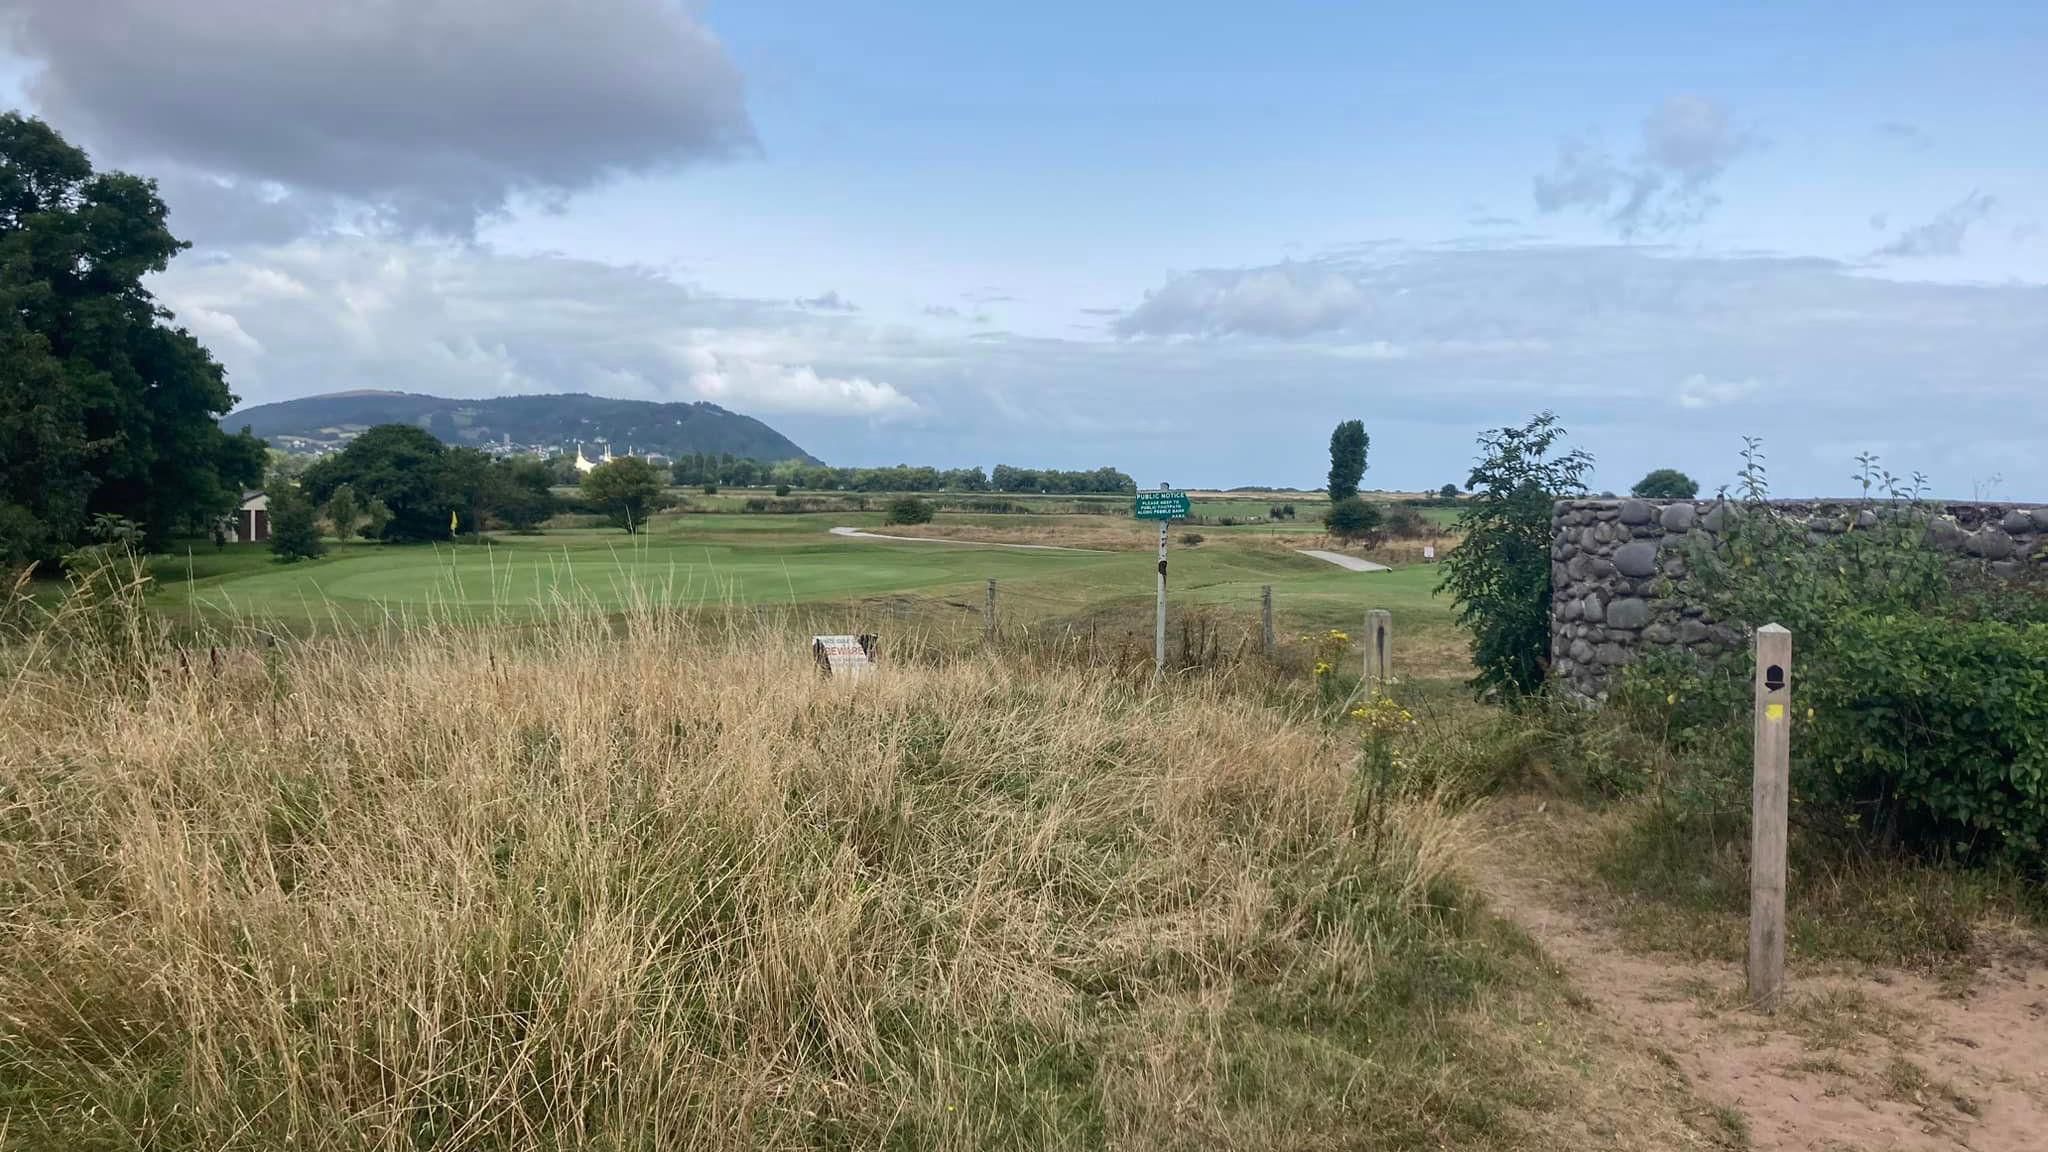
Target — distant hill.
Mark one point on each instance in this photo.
(560, 420)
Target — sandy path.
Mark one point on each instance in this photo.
(1343, 561)
(863, 534)
(1834, 1070)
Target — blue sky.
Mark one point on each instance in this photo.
(1183, 239)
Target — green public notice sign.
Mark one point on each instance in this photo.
(1161, 506)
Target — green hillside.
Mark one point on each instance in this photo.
(556, 420)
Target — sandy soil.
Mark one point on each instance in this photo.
(1863, 1060)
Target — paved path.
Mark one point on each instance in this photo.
(862, 534)
(1337, 558)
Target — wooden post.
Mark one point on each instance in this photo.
(1769, 790)
(988, 614)
(1379, 650)
(1266, 621)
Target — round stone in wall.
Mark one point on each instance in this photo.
(1636, 560)
(2017, 521)
(1989, 543)
(1628, 613)
(1677, 517)
(1635, 512)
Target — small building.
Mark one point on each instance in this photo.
(252, 519)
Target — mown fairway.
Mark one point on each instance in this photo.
(732, 560)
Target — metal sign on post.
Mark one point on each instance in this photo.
(851, 656)
(1165, 506)
(1162, 505)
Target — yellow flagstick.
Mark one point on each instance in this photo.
(451, 524)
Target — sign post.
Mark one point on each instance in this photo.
(1165, 506)
(1768, 800)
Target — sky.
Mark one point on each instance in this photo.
(1182, 239)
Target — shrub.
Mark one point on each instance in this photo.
(1405, 523)
(294, 526)
(1191, 538)
(1499, 578)
(1936, 729)
(1448, 492)
(1352, 519)
(908, 510)
(710, 489)
(782, 490)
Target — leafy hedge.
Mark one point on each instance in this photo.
(1940, 726)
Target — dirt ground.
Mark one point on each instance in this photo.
(1860, 1059)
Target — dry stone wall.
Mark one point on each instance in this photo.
(1618, 575)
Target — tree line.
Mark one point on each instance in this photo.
(698, 469)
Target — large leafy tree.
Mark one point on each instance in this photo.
(627, 489)
(1499, 575)
(399, 466)
(1666, 484)
(105, 408)
(1348, 443)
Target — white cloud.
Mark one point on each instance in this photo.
(1943, 235)
(753, 386)
(1282, 300)
(1698, 391)
(1687, 142)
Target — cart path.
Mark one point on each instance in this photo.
(863, 534)
(1341, 560)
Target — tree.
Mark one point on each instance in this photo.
(1348, 443)
(294, 527)
(343, 512)
(105, 409)
(1352, 519)
(397, 464)
(521, 493)
(1499, 576)
(627, 489)
(1666, 484)
(375, 517)
(1448, 492)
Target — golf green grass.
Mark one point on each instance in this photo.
(734, 560)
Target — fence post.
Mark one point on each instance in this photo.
(1266, 621)
(1379, 650)
(1769, 789)
(988, 614)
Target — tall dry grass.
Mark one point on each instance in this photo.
(638, 884)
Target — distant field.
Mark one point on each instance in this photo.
(732, 561)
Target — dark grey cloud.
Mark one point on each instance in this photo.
(1943, 235)
(1686, 144)
(1879, 220)
(830, 301)
(422, 114)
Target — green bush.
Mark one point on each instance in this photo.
(1937, 729)
(908, 510)
(294, 529)
(1352, 519)
(1499, 577)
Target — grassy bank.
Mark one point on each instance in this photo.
(625, 883)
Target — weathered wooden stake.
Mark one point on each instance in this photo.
(1379, 650)
(988, 614)
(1768, 799)
(1266, 621)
